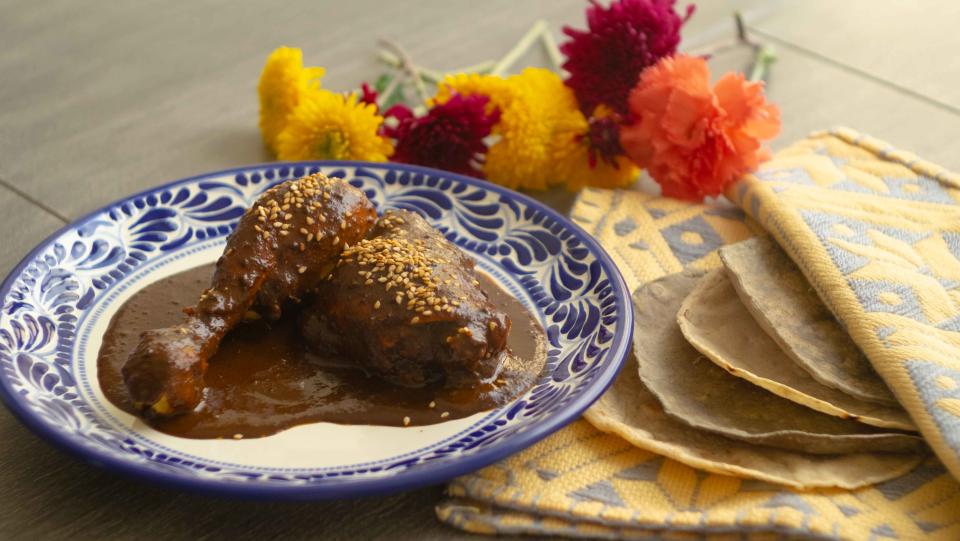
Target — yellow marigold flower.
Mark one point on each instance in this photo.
(575, 172)
(572, 158)
(492, 86)
(522, 158)
(540, 136)
(326, 125)
(283, 82)
(520, 136)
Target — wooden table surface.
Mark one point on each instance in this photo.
(99, 100)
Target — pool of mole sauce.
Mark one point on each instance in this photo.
(263, 379)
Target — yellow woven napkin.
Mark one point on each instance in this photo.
(877, 233)
(865, 222)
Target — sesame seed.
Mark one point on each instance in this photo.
(302, 269)
(428, 312)
(432, 404)
(406, 421)
(304, 231)
(238, 436)
(376, 305)
(414, 320)
(284, 233)
(336, 240)
(445, 414)
(368, 282)
(277, 224)
(310, 220)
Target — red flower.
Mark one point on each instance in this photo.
(695, 141)
(450, 136)
(368, 95)
(605, 61)
(603, 139)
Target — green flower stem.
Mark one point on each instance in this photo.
(429, 75)
(553, 52)
(520, 48)
(483, 67)
(765, 55)
(394, 61)
(388, 91)
(407, 65)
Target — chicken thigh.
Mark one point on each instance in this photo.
(406, 305)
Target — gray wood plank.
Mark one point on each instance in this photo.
(909, 44)
(24, 225)
(713, 21)
(151, 93)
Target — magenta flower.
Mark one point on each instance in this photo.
(449, 137)
(605, 61)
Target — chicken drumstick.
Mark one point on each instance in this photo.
(284, 245)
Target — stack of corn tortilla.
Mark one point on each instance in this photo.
(743, 371)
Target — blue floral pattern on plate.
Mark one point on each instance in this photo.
(48, 302)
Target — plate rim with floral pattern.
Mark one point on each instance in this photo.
(46, 299)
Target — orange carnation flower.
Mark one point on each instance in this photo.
(695, 141)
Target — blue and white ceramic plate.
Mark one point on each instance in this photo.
(56, 305)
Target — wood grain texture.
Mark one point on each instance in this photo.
(911, 45)
(23, 225)
(153, 91)
(99, 100)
